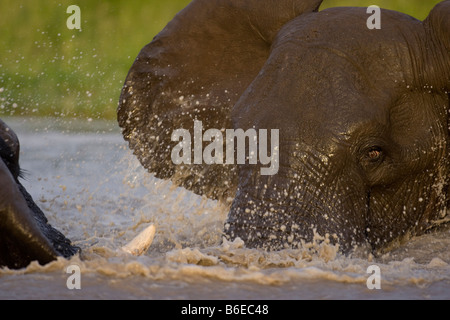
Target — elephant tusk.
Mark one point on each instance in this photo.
(140, 244)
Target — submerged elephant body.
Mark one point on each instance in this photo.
(362, 116)
(25, 234)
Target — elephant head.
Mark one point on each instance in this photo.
(362, 116)
(25, 234)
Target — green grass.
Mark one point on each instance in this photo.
(417, 8)
(48, 70)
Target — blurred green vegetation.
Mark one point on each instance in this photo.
(48, 70)
(419, 9)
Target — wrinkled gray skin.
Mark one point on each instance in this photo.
(362, 114)
(25, 234)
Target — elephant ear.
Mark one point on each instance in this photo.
(196, 69)
(438, 26)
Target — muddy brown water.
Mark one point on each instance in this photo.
(90, 186)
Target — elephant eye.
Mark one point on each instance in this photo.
(375, 154)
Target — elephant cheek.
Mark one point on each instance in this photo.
(402, 211)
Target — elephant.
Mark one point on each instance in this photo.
(362, 116)
(25, 233)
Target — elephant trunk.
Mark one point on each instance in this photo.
(285, 211)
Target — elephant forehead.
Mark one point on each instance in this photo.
(383, 57)
(328, 72)
(329, 95)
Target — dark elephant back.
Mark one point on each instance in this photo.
(25, 233)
